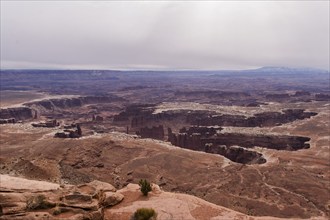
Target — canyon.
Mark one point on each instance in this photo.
(258, 148)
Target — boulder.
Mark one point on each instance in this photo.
(110, 198)
(12, 203)
(81, 201)
(95, 215)
(102, 186)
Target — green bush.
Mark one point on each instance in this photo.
(145, 214)
(145, 187)
(38, 202)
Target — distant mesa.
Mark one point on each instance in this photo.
(70, 133)
(47, 124)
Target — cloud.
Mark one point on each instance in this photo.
(169, 35)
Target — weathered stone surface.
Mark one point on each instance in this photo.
(77, 198)
(105, 187)
(97, 118)
(322, 97)
(278, 142)
(236, 154)
(196, 141)
(110, 198)
(52, 104)
(69, 133)
(155, 132)
(265, 119)
(142, 116)
(95, 215)
(19, 113)
(8, 121)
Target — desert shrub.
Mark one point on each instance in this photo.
(38, 202)
(145, 187)
(145, 214)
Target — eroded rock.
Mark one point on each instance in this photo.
(110, 198)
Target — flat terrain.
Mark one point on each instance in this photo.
(11, 98)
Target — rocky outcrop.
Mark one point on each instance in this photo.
(211, 140)
(63, 103)
(192, 138)
(19, 113)
(68, 133)
(47, 124)
(195, 138)
(279, 142)
(110, 198)
(301, 93)
(142, 116)
(79, 200)
(134, 114)
(39, 201)
(322, 97)
(101, 186)
(8, 121)
(154, 132)
(265, 119)
(97, 118)
(277, 97)
(236, 154)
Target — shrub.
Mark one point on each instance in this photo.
(38, 202)
(145, 214)
(145, 187)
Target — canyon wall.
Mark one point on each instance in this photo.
(52, 104)
(155, 132)
(18, 113)
(141, 116)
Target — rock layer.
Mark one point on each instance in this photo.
(19, 113)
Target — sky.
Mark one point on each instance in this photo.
(164, 35)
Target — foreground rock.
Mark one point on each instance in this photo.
(110, 198)
(30, 199)
(99, 200)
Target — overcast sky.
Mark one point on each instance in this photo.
(164, 35)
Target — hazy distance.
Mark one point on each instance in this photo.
(164, 35)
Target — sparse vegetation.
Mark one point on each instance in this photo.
(145, 187)
(38, 202)
(145, 214)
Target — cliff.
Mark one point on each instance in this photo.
(53, 104)
(19, 113)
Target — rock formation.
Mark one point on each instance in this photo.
(322, 97)
(44, 200)
(63, 103)
(211, 140)
(19, 113)
(265, 119)
(8, 121)
(141, 116)
(97, 118)
(68, 133)
(236, 154)
(278, 142)
(47, 124)
(154, 132)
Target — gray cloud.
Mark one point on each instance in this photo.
(164, 35)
